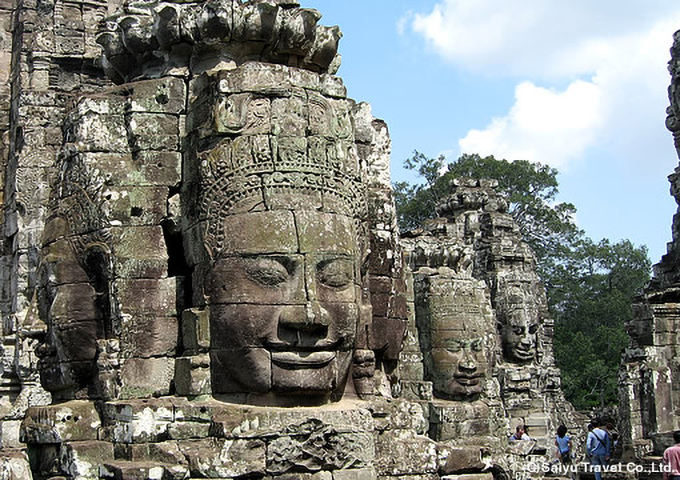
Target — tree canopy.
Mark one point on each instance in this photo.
(590, 285)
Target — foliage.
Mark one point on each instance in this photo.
(591, 300)
(590, 285)
(531, 189)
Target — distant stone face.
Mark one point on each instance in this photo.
(519, 320)
(456, 324)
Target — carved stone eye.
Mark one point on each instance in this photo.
(267, 271)
(533, 329)
(336, 273)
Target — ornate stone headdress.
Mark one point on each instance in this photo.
(151, 38)
(232, 183)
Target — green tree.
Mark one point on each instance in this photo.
(590, 285)
(531, 189)
(590, 298)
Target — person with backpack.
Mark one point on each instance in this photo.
(563, 444)
(598, 449)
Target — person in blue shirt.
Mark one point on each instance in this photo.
(598, 449)
(563, 444)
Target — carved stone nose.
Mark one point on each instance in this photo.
(44, 350)
(310, 316)
(467, 363)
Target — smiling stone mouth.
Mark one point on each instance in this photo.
(468, 379)
(293, 360)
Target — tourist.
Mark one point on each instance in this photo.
(520, 434)
(598, 449)
(671, 457)
(563, 444)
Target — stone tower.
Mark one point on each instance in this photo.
(649, 382)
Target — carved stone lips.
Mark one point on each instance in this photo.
(292, 360)
(468, 380)
(524, 353)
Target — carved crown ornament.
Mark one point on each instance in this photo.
(151, 39)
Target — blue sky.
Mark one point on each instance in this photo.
(579, 85)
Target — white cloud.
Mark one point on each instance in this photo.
(612, 57)
(550, 126)
(536, 37)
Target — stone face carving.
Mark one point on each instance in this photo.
(297, 331)
(457, 332)
(68, 353)
(74, 300)
(279, 218)
(519, 323)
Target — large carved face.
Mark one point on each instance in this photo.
(68, 352)
(458, 363)
(283, 301)
(519, 327)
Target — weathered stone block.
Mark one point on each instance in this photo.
(262, 232)
(312, 446)
(70, 421)
(147, 297)
(196, 330)
(10, 433)
(82, 459)
(164, 453)
(399, 415)
(313, 228)
(469, 476)
(401, 452)
(225, 458)
(192, 375)
(355, 474)
(234, 421)
(145, 168)
(460, 459)
(132, 205)
(256, 77)
(153, 131)
(14, 465)
(460, 420)
(122, 470)
(137, 421)
(163, 95)
(146, 377)
(416, 390)
(186, 430)
(303, 476)
(98, 132)
(145, 337)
